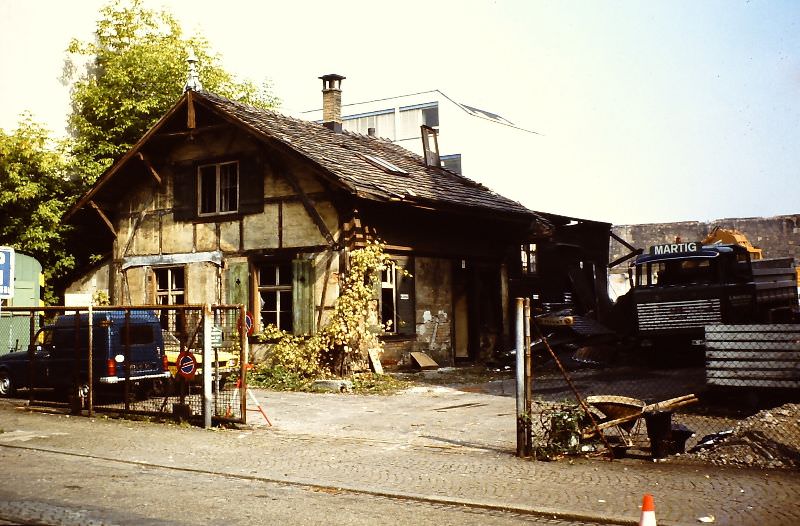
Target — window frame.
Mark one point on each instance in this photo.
(171, 323)
(218, 191)
(277, 289)
(389, 271)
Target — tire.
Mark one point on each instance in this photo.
(7, 387)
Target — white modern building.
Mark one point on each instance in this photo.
(478, 144)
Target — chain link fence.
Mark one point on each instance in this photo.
(732, 400)
(146, 360)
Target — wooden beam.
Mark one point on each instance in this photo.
(195, 131)
(310, 209)
(191, 123)
(104, 217)
(150, 167)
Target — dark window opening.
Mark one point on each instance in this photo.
(528, 258)
(430, 116)
(218, 188)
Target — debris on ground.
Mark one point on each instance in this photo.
(768, 439)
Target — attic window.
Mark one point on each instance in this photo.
(218, 188)
(384, 164)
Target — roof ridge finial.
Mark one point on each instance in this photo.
(193, 80)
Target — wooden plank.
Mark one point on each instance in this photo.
(751, 355)
(754, 346)
(375, 361)
(191, 121)
(423, 361)
(753, 336)
(150, 167)
(777, 327)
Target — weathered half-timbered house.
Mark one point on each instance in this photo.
(221, 202)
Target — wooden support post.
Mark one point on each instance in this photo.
(150, 167)
(191, 123)
(104, 217)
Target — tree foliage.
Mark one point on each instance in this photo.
(35, 191)
(134, 71)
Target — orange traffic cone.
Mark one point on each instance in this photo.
(648, 511)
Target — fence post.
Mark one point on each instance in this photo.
(32, 358)
(90, 366)
(208, 354)
(520, 378)
(76, 365)
(244, 357)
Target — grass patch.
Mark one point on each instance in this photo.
(384, 384)
(278, 378)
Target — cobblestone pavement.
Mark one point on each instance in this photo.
(436, 445)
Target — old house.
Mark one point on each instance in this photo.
(220, 202)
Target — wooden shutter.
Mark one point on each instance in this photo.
(303, 296)
(251, 186)
(405, 303)
(184, 193)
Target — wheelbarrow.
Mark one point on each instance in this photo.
(623, 410)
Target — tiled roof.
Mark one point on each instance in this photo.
(342, 156)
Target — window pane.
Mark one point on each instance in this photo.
(285, 274)
(269, 300)
(162, 279)
(177, 278)
(430, 116)
(228, 177)
(266, 275)
(286, 300)
(208, 189)
(286, 321)
(268, 318)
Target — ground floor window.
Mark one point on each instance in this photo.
(274, 294)
(170, 289)
(388, 298)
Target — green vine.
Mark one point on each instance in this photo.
(340, 346)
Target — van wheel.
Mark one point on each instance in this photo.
(7, 387)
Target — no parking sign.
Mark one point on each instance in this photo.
(187, 365)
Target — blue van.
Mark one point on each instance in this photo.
(136, 353)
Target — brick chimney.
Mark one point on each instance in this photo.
(332, 101)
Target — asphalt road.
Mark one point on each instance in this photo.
(42, 487)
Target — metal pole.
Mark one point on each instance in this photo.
(90, 369)
(520, 383)
(127, 354)
(31, 358)
(528, 376)
(76, 366)
(208, 356)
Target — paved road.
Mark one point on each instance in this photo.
(430, 448)
(42, 487)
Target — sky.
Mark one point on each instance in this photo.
(652, 111)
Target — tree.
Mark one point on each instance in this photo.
(135, 71)
(35, 191)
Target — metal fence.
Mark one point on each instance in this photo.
(733, 402)
(146, 360)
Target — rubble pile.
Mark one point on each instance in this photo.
(768, 439)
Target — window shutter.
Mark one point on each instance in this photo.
(184, 193)
(303, 296)
(406, 304)
(251, 186)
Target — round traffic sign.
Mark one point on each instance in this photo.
(187, 364)
(248, 323)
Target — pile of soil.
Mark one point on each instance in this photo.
(768, 439)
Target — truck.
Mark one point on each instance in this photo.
(679, 288)
(125, 348)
